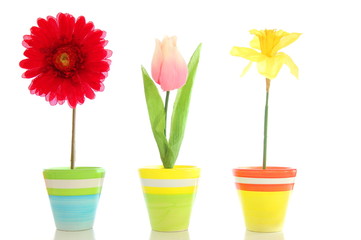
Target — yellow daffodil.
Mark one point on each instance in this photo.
(269, 60)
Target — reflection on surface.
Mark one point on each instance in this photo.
(79, 235)
(263, 236)
(169, 235)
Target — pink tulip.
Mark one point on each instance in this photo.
(169, 69)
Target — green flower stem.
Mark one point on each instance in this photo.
(72, 155)
(165, 110)
(268, 82)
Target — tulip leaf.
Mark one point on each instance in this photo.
(156, 113)
(180, 109)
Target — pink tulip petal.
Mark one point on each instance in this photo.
(174, 69)
(157, 61)
(173, 40)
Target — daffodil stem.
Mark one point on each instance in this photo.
(165, 111)
(72, 154)
(268, 82)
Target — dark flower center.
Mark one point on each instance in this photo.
(67, 60)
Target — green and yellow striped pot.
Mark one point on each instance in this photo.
(169, 195)
(74, 196)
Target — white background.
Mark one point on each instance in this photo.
(314, 122)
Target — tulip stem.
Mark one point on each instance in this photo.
(165, 110)
(72, 154)
(268, 82)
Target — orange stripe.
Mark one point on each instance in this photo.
(269, 172)
(265, 187)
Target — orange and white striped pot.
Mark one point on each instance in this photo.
(264, 195)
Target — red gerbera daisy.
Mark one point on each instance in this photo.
(66, 59)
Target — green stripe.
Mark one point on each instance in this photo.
(77, 173)
(73, 191)
(169, 212)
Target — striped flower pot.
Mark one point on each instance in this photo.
(169, 196)
(74, 196)
(264, 195)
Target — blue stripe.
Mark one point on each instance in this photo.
(74, 213)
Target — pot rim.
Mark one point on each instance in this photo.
(76, 173)
(178, 172)
(269, 172)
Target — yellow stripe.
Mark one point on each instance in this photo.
(264, 211)
(178, 172)
(169, 190)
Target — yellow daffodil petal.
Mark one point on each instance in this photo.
(247, 53)
(245, 70)
(270, 67)
(256, 32)
(289, 62)
(281, 33)
(255, 43)
(285, 41)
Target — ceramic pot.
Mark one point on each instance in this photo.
(74, 196)
(169, 195)
(264, 195)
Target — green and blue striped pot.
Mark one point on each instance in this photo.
(74, 196)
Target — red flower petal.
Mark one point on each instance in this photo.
(39, 34)
(94, 37)
(52, 28)
(26, 41)
(33, 54)
(89, 93)
(32, 73)
(66, 26)
(101, 66)
(80, 35)
(49, 29)
(31, 63)
(98, 55)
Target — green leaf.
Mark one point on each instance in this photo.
(180, 110)
(156, 113)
